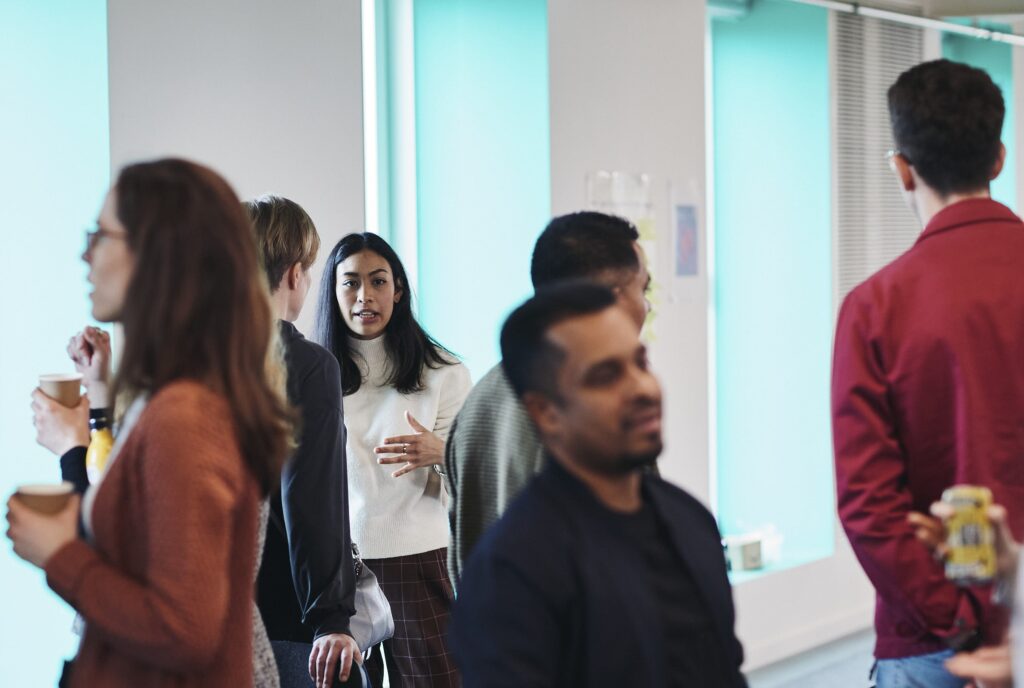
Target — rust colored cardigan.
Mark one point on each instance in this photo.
(167, 590)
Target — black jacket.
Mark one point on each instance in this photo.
(548, 598)
(306, 585)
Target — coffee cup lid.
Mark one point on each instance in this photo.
(46, 489)
(60, 377)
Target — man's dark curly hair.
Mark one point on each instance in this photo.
(947, 118)
(582, 246)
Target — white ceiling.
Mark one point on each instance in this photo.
(953, 8)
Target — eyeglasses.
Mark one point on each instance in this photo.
(891, 154)
(93, 236)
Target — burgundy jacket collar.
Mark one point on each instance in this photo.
(965, 213)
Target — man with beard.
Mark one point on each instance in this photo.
(599, 574)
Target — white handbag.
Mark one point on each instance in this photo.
(372, 623)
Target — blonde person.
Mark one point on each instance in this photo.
(164, 576)
(306, 584)
(402, 392)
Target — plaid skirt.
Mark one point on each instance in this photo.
(421, 596)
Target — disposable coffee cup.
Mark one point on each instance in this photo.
(64, 387)
(45, 498)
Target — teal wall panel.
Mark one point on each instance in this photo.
(773, 275)
(55, 153)
(483, 162)
(997, 60)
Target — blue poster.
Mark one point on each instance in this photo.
(686, 240)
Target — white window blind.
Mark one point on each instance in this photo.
(873, 225)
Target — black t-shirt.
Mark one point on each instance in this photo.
(693, 652)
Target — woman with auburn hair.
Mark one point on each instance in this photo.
(164, 575)
(402, 392)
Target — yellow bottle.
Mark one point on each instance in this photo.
(100, 443)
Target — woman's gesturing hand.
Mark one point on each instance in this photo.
(423, 448)
(90, 352)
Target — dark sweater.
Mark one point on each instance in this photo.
(553, 596)
(306, 584)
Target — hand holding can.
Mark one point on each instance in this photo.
(970, 539)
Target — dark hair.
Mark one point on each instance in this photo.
(409, 347)
(530, 360)
(195, 307)
(582, 246)
(947, 119)
(285, 235)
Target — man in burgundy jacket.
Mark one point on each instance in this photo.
(928, 374)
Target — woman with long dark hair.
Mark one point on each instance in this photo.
(402, 393)
(164, 576)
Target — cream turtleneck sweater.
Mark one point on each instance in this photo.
(392, 517)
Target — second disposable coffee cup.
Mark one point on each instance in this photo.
(45, 498)
(64, 387)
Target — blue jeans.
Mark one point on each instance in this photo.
(922, 671)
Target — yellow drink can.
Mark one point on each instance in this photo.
(971, 540)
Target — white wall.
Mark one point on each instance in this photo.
(268, 93)
(628, 93)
